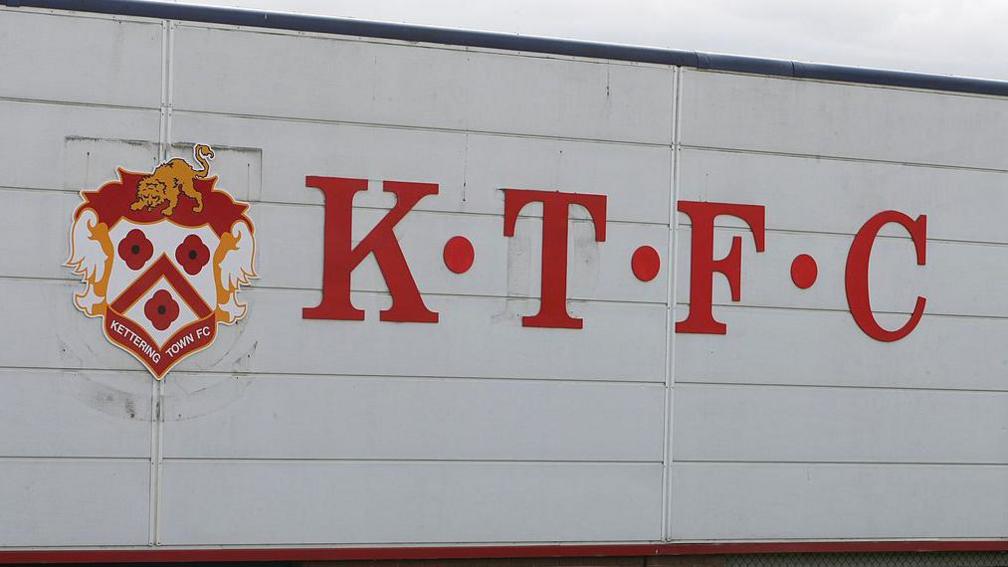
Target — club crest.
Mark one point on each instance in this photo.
(162, 256)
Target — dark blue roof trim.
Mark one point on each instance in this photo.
(343, 26)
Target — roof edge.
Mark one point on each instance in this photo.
(513, 42)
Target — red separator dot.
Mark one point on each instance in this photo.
(645, 263)
(458, 254)
(804, 271)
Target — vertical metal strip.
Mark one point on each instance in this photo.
(669, 315)
(157, 386)
(168, 97)
(672, 262)
(163, 127)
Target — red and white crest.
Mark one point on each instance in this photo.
(162, 256)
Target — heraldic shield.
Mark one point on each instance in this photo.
(162, 256)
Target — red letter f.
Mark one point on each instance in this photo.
(700, 318)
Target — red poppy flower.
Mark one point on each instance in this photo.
(135, 249)
(161, 309)
(192, 254)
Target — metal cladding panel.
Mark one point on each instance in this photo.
(289, 431)
(631, 348)
(853, 121)
(504, 268)
(459, 162)
(796, 423)
(409, 502)
(218, 416)
(966, 348)
(80, 59)
(368, 82)
(861, 425)
(834, 501)
(62, 147)
(110, 414)
(837, 196)
(766, 279)
(74, 502)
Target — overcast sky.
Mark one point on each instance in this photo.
(947, 37)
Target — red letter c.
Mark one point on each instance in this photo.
(858, 296)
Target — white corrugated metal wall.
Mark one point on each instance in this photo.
(287, 431)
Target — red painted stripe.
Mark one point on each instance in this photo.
(161, 555)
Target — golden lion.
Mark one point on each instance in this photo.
(171, 178)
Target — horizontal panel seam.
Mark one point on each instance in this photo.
(155, 108)
(351, 460)
(421, 44)
(722, 383)
(256, 286)
(846, 310)
(840, 463)
(864, 85)
(395, 126)
(145, 459)
(575, 299)
(80, 15)
(335, 122)
(685, 225)
(517, 53)
(510, 543)
(417, 209)
(724, 149)
(333, 375)
(300, 545)
(726, 227)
